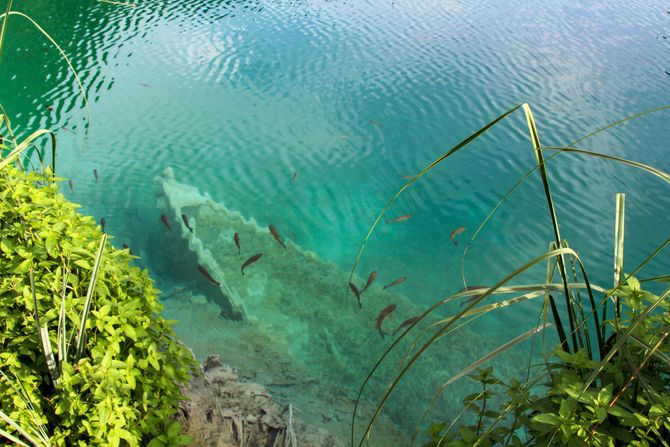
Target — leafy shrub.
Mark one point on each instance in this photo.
(628, 404)
(125, 386)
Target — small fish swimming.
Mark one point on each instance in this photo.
(399, 218)
(125, 247)
(455, 233)
(371, 279)
(49, 107)
(206, 274)
(383, 314)
(103, 224)
(166, 221)
(396, 282)
(473, 297)
(95, 174)
(357, 294)
(144, 84)
(276, 235)
(295, 176)
(70, 184)
(406, 323)
(375, 123)
(185, 219)
(406, 177)
(236, 239)
(250, 261)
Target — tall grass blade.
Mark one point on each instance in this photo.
(537, 146)
(650, 169)
(81, 336)
(661, 278)
(616, 123)
(16, 152)
(49, 355)
(12, 438)
(18, 428)
(43, 334)
(62, 330)
(619, 237)
(39, 433)
(4, 25)
(619, 227)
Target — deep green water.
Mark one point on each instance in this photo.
(351, 96)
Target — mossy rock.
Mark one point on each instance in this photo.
(125, 388)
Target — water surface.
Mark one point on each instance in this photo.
(238, 97)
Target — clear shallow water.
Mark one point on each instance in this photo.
(352, 96)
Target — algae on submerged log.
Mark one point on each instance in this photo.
(297, 335)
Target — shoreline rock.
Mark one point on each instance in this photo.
(224, 411)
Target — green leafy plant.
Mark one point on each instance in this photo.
(610, 371)
(85, 358)
(116, 369)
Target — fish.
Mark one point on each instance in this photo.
(166, 221)
(396, 282)
(383, 314)
(185, 219)
(375, 123)
(406, 323)
(371, 279)
(295, 176)
(455, 233)
(95, 174)
(250, 261)
(399, 218)
(144, 84)
(473, 297)
(49, 107)
(206, 274)
(276, 235)
(406, 177)
(236, 238)
(70, 184)
(103, 224)
(2, 139)
(125, 246)
(357, 294)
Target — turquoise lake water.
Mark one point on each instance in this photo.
(348, 97)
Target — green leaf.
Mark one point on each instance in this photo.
(568, 406)
(83, 263)
(183, 440)
(173, 429)
(547, 418)
(130, 332)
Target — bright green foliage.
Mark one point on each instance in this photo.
(614, 410)
(124, 389)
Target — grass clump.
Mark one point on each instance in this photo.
(607, 380)
(115, 379)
